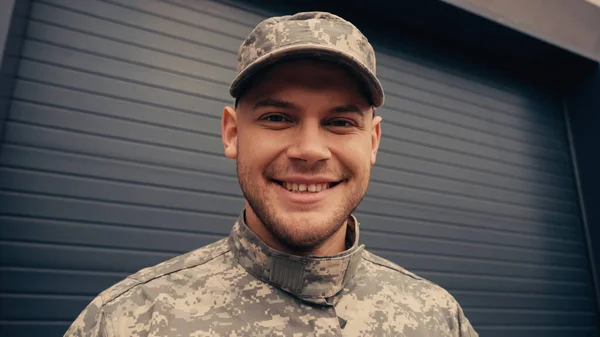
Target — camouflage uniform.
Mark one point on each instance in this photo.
(239, 286)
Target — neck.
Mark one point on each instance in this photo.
(333, 245)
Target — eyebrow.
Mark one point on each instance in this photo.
(273, 103)
(348, 108)
(281, 104)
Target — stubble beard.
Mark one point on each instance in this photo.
(293, 233)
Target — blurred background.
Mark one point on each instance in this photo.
(486, 181)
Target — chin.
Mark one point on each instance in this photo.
(304, 232)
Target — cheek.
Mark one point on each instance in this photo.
(355, 154)
(257, 149)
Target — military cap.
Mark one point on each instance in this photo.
(318, 35)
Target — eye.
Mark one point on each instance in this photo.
(275, 118)
(340, 123)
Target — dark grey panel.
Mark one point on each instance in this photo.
(536, 331)
(42, 307)
(223, 54)
(104, 235)
(220, 10)
(118, 170)
(100, 146)
(33, 329)
(55, 282)
(21, 204)
(507, 300)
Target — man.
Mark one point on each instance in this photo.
(304, 134)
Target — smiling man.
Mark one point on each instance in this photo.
(304, 134)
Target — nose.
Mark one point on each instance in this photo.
(309, 145)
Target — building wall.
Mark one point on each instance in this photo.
(583, 109)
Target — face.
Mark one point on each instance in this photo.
(304, 138)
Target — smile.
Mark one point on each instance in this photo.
(296, 187)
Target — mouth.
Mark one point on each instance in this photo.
(296, 187)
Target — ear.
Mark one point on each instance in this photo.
(229, 132)
(375, 137)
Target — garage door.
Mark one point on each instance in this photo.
(112, 161)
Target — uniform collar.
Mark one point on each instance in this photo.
(312, 278)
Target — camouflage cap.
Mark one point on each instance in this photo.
(319, 35)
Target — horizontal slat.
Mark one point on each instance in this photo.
(124, 70)
(484, 267)
(406, 98)
(225, 57)
(508, 300)
(393, 78)
(463, 75)
(50, 256)
(403, 194)
(392, 150)
(416, 164)
(114, 128)
(33, 329)
(85, 165)
(531, 317)
(535, 237)
(113, 107)
(477, 130)
(534, 197)
(113, 148)
(390, 244)
(177, 14)
(57, 282)
(42, 307)
(220, 10)
(499, 284)
(105, 235)
(379, 207)
(20, 204)
(40, 32)
(536, 331)
(117, 192)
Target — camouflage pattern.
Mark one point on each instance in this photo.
(308, 34)
(238, 286)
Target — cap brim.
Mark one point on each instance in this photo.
(311, 51)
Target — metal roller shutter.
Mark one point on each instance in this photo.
(112, 161)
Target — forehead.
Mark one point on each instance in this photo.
(308, 76)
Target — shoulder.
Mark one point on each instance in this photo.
(202, 256)
(406, 282)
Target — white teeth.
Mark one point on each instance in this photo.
(313, 188)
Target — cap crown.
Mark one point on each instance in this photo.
(319, 29)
